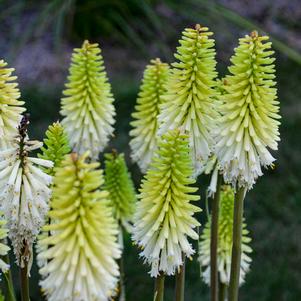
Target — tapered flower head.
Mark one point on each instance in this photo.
(145, 124)
(121, 189)
(224, 251)
(87, 103)
(249, 126)
(3, 247)
(83, 246)
(189, 101)
(56, 146)
(11, 107)
(24, 191)
(164, 216)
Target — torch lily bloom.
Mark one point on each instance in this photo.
(164, 217)
(189, 103)
(11, 108)
(82, 248)
(24, 191)
(145, 126)
(249, 124)
(87, 103)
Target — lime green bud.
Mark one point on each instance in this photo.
(56, 146)
(189, 101)
(145, 124)
(225, 235)
(87, 105)
(11, 108)
(164, 216)
(119, 184)
(82, 247)
(249, 126)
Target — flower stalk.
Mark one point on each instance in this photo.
(159, 287)
(180, 282)
(24, 276)
(222, 291)
(214, 242)
(121, 285)
(237, 242)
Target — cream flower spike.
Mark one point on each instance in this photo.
(4, 267)
(164, 216)
(82, 249)
(225, 229)
(24, 191)
(249, 126)
(87, 106)
(10, 107)
(145, 124)
(189, 103)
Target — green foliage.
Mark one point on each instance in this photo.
(121, 189)
(164, 216)
(87, 103)
(189, 101)
(145, 124)
(56, 146)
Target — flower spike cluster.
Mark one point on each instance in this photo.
(225, 234)
(87, 103)
(10, 107)
(83, 246)
(249, 125)
(121, 189)
(164, 216)
(189, 101)
(24, 191)
(56, 146)
(3, 248)
(145, 124)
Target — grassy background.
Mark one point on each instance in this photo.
(133, 32)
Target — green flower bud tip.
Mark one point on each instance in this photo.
(249, 123)
(121, 189)
(87, 103)
(145, 124)
(56, 146)
(189, 103)
(11, 108)
(82, 249)
(225, 234)
(24, 191)
(164, 217)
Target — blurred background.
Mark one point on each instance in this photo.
(37, 38)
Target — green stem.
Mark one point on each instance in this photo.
(236, 247)
(214, 242)
(222, 291)
(10, 293)
(159, 288)
(180, 282)
(121, 291)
